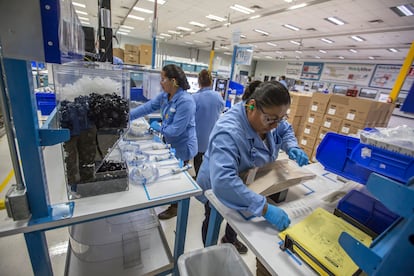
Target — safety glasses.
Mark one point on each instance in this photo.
(270, 120)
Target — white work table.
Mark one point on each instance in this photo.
(262, 238)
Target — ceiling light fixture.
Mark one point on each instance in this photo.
(79, 4)
(404, 10)
(294, 28)
(197, 24)
(294, 42)
(85, 23)
(243, 36)
(142, 10)
(164, 34)
(81, 12)
(271, 44)
(357, 38)
(242, 9)
(183, 29)
(353, 51)
(298, 6)
(393, 50)
(335, 20)
(261, 32)
(269, 57)
(371, 57)
(122, 33)
(136, 17)
(198, 41)
(83, 18)
(317, 57)
(341, 57)
(255, 16)
(327, 40)
(173, 32)
(189, 43)
(288, 1)
(299, 52)
(127, 27)
(159, 2)
(216, 18)
(322, 51)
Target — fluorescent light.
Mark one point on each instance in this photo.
(288, 1)
(122, 33)
(228, 53)
(183, 29)
(299, 52)
(371, 57)
(357, 38)
(173, 32)
(322, 51)
(224, 47)
(189, 43)
(242, 9)
(136, 17)
(262, 32)
(83, 18)
(127, 27)
(163, 34)
(393, 50)
(294, 42)
(143, 10)
(353, 50)
(335, 20)
(85, 23)
(243, 36)
(341, 57)
(317, 57)
(271, 44)
(159, 2)
(268, 57)
(79, 4)
(216, 18)
(81, 12)
(198, 41)
(197, 24)
(406, 10)
(298, 6)
(207, 29)
(327, 40)
(291, 27)
(255, 16)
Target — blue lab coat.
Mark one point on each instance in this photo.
(209, 105)
(178, 121)
(235, 147)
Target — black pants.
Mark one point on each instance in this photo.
(198, 159)
(230, 235)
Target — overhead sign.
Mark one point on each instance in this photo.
(294, 69)
(244, 55)
(311, 70)
(357, 74)
(385, 76)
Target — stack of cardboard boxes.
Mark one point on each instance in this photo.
(298, 110)
(135, 54)
(339, 114)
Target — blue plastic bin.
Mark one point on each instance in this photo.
(137, 95)
(347, 157)
(367, 210)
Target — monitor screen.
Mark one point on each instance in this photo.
(368, 93)
(340, 89)
(193, 82)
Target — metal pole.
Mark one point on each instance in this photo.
(210, 63)
(154, 35)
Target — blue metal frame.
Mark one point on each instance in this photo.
(213, 226)
(233, 62)
(181, 230)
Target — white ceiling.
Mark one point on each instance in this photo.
(371, 19)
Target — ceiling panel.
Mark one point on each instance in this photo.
(387, 30)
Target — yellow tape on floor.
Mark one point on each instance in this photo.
(6, 180)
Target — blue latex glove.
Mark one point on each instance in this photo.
(299, 156)
(156, 126)
(277, 217)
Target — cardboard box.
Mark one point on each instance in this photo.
(314, 118)
(297, 110)
(322, 132)
(331, 122)
(297, 99)
(308, 151)
(338, 105)
(350, 127)
(306, 141)
(131, 59)
(295, 120)
(145, 54)
(319, 102)
(363, 110)
(131, 49)
(118, 52)
(310, 129)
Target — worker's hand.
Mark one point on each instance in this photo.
(277, 217)
(156, 126)
(299, 156)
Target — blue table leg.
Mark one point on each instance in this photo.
(38, 252)
(181, 229)
(213, 227)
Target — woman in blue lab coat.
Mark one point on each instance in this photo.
(248, 136)
(178, 118)
(209, 105)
